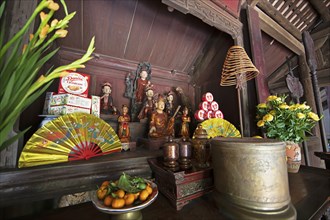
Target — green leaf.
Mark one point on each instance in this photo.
(12, 139)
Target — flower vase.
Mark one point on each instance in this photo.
(293, 156)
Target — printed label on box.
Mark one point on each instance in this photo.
(66, 109)
(69, 99)
(74, 83)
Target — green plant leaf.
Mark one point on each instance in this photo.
(11, 140)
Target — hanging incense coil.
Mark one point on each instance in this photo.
(238, 68)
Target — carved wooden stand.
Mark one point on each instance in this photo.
(182, 186)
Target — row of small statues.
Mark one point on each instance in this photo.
(160, 125)
(145, 105)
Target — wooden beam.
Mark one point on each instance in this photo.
(320, 34)
(252, 3)
(323, 77)
(279, 18)
(270, 27)
(322, 9)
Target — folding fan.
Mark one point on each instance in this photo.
(219, 127)
(69, 137)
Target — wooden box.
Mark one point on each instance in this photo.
(181, 187)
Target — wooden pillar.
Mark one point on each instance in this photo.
(257, 53)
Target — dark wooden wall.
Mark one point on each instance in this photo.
(131, 31)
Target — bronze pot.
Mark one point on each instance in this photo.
(251, 179)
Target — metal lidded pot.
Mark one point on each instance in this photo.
(185, 154)
(171, 153)
(201, 148)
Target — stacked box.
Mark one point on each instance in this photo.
(66, 109)
(74, 83)
(71, 100)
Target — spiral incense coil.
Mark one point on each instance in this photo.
(238, 68)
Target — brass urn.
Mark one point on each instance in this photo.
(251, 179)
(171, 154)
(185, 154)
(201, 148)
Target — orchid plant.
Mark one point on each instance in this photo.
(285, 122)
(21, 83)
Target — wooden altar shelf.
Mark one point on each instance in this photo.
(25, 185)
(181, 187)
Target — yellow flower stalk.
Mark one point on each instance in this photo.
(53, 6)
(44, 32)
(24, 48)
(61, 33)
(18, 85)
(54, 23)
(43, 16)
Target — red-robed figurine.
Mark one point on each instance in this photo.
(123, 125)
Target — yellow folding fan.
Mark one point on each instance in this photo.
(69, 137)
(219, 127)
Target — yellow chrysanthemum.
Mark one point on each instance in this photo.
(313, 116)
(262, 105)
(272, 112)
(268, 117)
(260, 123)
(292, 107)
(301, 115)
(271, 98)
(283, 106)
(303, 106)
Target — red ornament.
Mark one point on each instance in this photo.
(204, 106)
(218, 114)
(214, 106)
(200, 115)
(207, 97)
(210, 114)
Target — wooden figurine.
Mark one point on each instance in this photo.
(135, 88)
(148, 105)
(160, 124)
(123, 125)
(185, 120)
(142, 83)
(107, 105)
(169, 106)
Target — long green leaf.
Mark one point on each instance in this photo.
(2, 23)
(11, 140)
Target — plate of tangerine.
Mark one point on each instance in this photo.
(123, 196)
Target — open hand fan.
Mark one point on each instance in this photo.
(69, 137)
(219, 127)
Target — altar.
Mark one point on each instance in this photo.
(310, 197)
